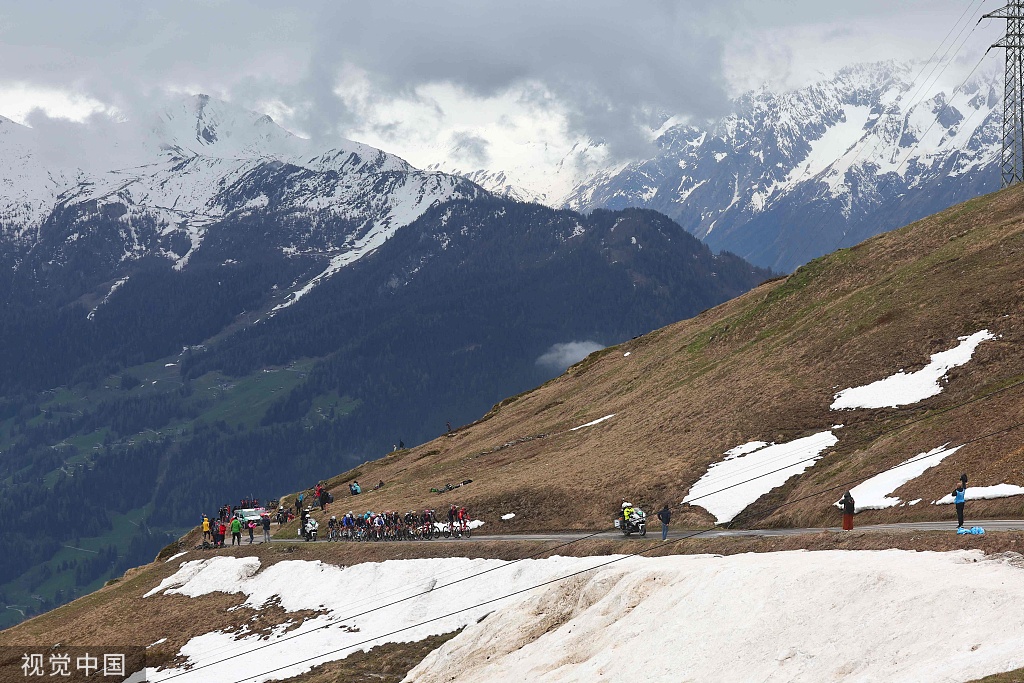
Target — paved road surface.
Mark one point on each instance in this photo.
(654, 533)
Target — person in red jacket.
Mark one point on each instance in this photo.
(848, 509)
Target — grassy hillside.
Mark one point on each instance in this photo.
(764, 366)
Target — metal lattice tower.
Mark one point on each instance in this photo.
(1013, 110)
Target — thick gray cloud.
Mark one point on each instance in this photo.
(471, 148)
(611, 66)
(561, 356)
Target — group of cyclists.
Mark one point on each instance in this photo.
(394, 526)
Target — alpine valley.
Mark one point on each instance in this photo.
(203, 306)
(209, 307)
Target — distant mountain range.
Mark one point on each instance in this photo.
(789, 176)
(786, 177)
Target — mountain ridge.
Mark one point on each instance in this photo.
(828, 164)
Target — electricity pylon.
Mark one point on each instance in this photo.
(1012, 165)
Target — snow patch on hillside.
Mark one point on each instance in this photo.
(113, 288)
(594, 422)
(336, 633)
(892, 608)
(792, 616)
(905, 388)
(748, 472)
(985, 493)
(873, 494)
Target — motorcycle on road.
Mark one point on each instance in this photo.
(636, 524)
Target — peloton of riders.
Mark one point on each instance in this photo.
(391, 524)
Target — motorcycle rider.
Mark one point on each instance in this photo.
(311, 527)
(627, 512)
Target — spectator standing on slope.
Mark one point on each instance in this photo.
(665, 516)
(848, 510)
(206, 528)
(265, 520)
(236, 531)
(252, 527)
(959, 496)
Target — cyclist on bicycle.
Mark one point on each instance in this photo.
(427, 521)
(348, 523)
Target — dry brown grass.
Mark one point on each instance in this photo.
(1008, 677)
(383, 664)
(761, 367)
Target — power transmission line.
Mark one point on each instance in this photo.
(893, 430)
(655, 546)
(1012, 161)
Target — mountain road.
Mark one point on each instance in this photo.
(654, 534)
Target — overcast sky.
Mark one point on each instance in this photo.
(414, 76)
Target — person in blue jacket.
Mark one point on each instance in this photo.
(959, 495)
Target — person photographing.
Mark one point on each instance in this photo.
(959, 496)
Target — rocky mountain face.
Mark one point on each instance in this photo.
(791, 176)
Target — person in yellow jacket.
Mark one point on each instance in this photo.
(206, 529)
(627, 511)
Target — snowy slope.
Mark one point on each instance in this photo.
(29, 185)
(796, 616)
(792, 616)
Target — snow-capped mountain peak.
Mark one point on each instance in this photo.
(202, 162)
(201, 125)
(793, 175)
